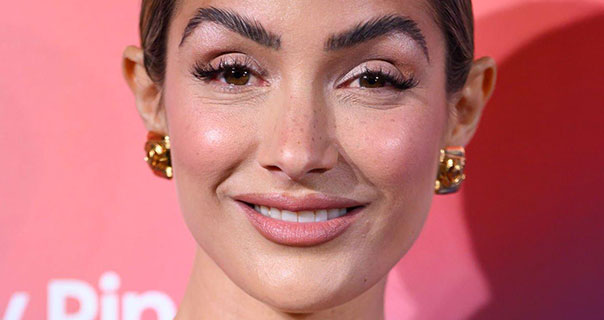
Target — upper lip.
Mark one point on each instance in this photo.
(310, 202)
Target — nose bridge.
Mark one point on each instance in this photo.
(299, 139)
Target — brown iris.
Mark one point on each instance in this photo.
(236, 76)
(372, 81)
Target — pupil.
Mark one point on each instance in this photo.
(237, 76)
(372, 81)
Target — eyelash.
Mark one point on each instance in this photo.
(208, 73)
(397, 82)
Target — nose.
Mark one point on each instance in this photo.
(297, 140)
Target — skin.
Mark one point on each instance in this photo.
(298, 130)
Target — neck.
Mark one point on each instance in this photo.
(211, 294)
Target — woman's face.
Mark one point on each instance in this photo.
(323, 104)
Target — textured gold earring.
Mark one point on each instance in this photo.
(450, 170)
(157, 148)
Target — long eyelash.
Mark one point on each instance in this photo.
(207, 72)
(397, 82)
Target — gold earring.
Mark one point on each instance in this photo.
(450, 170)
(157, 148)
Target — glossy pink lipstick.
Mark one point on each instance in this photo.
(299, 234)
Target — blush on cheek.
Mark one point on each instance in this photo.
(206, 138)
(399, 152)
(205, 148)
(196, 149)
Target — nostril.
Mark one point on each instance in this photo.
(273, 168)
(318, 170)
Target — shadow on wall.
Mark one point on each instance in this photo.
(533, 198)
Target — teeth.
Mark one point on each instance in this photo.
(321, 215)
(333, 213)
(306, 216)
(275, 213)
(302, 216)
(289, 216)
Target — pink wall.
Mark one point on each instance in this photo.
(522, 241)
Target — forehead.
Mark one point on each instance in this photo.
(312, 21)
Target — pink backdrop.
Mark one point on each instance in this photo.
(86, 229)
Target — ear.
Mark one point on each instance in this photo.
(469, 103)
(146, 92)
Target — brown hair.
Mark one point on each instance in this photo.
(456, 21)
(454, 17)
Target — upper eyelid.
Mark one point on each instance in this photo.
(229, 61)
(246, 61)
(363, 69)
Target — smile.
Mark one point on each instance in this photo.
(301, 216)
(300, 222)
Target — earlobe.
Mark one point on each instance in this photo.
(146, 92)
(471, 101)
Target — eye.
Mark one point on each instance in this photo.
(372, 81)
(379, 78)
(230, 72)
(236, 76)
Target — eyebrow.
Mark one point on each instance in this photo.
(377, 27)
(246, 27)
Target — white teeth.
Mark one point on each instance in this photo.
(306, 216)
(321, 215)
(332, 214)
(275, 213)
(302, 216)
(289, 216)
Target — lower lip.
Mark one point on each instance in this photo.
(299, 234)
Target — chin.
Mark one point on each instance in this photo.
(308, 287)
(310, 297)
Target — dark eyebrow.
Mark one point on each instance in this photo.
(374, 28)
(248, 28)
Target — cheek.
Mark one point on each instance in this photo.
(206, 138)
(205, 142)
(396, 150)
(208, 142)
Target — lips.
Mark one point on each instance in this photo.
(300, 222)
